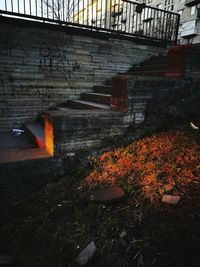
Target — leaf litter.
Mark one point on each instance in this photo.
(55, 225)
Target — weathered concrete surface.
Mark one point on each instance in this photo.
(183, 60)
(145, 95)
(41, 68)
(21, 177)
(77, 131)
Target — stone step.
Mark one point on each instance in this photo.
(24, 171)
(10, 140)
(150, 67)
(81, 104)
(17, 155)
(77, 130)
(145, 79)
(93, 123)
(156, 62)
(145, 82)
(144, 87)
(102, 89)
(108, 82)
(161, 59)
(97, 97)
(159, 73)
(36, 132)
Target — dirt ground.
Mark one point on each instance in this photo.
(54, 225)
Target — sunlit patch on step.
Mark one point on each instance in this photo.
(48, 134)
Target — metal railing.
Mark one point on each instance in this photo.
(123, 17)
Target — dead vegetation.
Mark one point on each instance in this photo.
(167, 162)
(55, 225)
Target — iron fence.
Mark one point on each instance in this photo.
(123, 17)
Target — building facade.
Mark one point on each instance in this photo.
(103, 13)
(129, 17)
(189, 11)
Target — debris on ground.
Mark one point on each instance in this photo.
(86, 254)
(53, 225)
(194, 126)
(168, 187)
(169, 199)
(122, 234)
(18, 131)
(107, 194)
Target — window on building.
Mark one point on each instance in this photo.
(180, 12)
(193, 10)
(169, 5)
(181, 1)
(159, 6)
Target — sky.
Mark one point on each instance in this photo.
(21, 4)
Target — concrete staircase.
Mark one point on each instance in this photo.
(96, 118)
(36, 133)
(88, 123)
(91, 123)
(100, 98)
(156, 66)
(85, 123)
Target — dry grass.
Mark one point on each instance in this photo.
(155, 165)
(54, 225)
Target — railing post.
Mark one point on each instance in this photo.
(177, 27)
(108, 11)
(124, 17)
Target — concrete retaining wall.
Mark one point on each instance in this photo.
(41, 68)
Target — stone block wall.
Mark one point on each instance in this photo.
(85, 131)
(41, 68)
(153, 99)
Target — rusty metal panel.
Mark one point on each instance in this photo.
(176, 61)
(119, 93)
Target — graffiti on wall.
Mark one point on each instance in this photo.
(53, 58)
(31, 71)
(45, 57)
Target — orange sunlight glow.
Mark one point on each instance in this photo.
(153, 164)
(48, 135)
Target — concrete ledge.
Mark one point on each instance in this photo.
(79, 31)
(16, 155)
